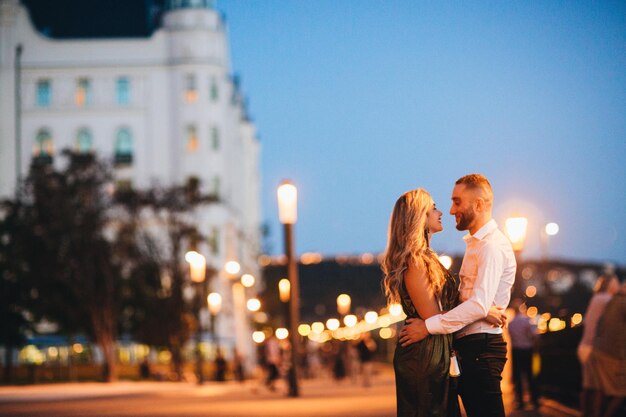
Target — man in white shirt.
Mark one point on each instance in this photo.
(487, 275)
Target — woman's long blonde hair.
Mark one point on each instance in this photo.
(407, 241)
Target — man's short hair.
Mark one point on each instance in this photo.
(477, 181)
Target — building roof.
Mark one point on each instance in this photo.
(79, 19)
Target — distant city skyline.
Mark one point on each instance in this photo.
(359, 101)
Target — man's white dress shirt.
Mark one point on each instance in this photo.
(487, 275)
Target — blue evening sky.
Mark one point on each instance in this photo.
(359, 101)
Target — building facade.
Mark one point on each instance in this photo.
(164, 109)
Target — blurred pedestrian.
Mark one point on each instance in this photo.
(220, 366)
(523, 340)
(366, 348)
(605, 287)
(144, 369)
(238, 367)
(607, 361)
(272, 361)
(339, 362)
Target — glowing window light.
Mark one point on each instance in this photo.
(384, 321)
(53, 352)
(332, 324)
(304, 330)
(555, 324)
(367, 258)
(350, 320)
(282, 333)
(371, 317)
(258, 337)
(532, 312)
(317, 327)
(253, 304)
(385, 333)
(247, 280)
(395, 309)
(232, 267)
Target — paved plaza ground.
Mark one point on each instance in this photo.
(319, 398)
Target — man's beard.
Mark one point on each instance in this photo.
(466, 218)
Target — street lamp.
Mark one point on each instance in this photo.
(550, 229)
(214, 301)
(343, 304)
(516, 230)
(197, 272)
(287, 194)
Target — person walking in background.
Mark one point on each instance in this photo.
(366, 348)
(523, 336)
(272, 361)
(606, 364)
(487, 275)
(605, 287)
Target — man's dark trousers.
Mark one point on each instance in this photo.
(482, 358)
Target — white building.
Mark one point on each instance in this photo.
(164, 108)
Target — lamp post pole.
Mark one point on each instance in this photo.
(516, 228)
(197, 271)
(287, 205)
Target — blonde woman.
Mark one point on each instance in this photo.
(414, 278)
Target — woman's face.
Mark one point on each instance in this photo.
(433, 220)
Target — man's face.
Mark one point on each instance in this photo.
(462, 207)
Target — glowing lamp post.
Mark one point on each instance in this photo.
(343, 304)
(516, 230)
(287, 194)
(214, 301)
(197, 272)
(550, 229)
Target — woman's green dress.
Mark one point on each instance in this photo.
(423, 385)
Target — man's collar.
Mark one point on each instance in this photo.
(480, 234)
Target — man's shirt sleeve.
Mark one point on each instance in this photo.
(490, 267)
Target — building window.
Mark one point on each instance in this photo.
(84, 95)
(214, 241)
(84, 141)
(43, 93)
(215, 138)
(43, 151)
(123, 147)
(122, 91)
(192, 138)
(216, 187)
(214, 93)
(191, 89)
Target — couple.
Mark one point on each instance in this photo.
(435, 307)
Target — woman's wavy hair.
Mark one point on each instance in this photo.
(407, 241)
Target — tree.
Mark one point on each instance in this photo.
(160, 315)
(86, 262)
(12, 288)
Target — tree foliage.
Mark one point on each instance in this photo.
(79, 254)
